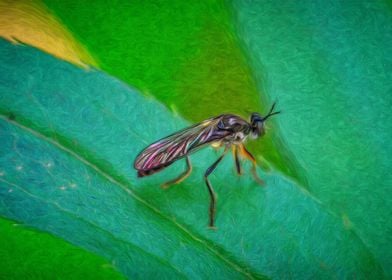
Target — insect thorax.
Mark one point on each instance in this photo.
(236, 138)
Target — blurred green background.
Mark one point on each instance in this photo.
(137, 71)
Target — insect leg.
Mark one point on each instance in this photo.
(237, 160)
(182, 176)
(249, 156)
(211, 190)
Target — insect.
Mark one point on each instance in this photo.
(228, 131)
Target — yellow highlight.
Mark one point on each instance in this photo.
(32, 23)
(206, 122)
(216, 145)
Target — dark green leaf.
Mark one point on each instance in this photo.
(26, 253)
(184, 53)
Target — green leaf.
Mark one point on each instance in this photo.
(185, 54)
(68, 140)
(28, 254)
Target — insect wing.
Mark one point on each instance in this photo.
(177, 145)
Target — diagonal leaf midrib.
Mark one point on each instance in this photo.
(122, 183)
(106, 171)
(116, 238)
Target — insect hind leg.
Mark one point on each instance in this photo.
(180, 178)
(237, 160)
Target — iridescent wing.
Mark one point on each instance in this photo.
(169, 149)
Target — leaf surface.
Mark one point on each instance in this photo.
(68, 141)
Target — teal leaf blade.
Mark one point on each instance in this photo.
(69, 138)
(330, 67)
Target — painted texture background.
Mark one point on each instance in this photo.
(136, 72)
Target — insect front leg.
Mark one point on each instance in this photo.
(211, 190)
(249, 156)
(182, 176)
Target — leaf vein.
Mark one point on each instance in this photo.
(131, 193)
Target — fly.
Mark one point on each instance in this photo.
(229, 131)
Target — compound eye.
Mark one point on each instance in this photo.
(254, 117)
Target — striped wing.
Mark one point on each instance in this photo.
(169, 149)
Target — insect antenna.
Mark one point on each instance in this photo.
(270, 113)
